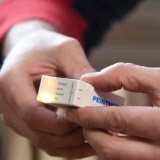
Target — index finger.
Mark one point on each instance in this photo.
(134, 121)
(128, 76)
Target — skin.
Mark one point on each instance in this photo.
(31, 49)
(139, 125)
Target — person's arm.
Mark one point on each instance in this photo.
(18, 32)
(140, 124)
(32, 48)
(60, 14)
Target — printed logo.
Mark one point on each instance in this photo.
(103, 101)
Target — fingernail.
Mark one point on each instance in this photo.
(87, 75)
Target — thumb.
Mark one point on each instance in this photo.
(129, 76)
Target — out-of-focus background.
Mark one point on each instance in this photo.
(135, 39)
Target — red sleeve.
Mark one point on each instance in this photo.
(59, 13)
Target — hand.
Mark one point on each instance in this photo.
(140, 124)
(37, 53)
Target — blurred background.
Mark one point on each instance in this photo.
(135, 39)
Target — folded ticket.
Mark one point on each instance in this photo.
(66, 92)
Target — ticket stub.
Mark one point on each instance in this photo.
(66, 92)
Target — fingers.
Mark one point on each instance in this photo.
(71, 59)
(43, 127)
(80, 151)
(121, 148)
(134, 121)
(43, 140)
(129, 76)
(42, 119)
(22, 98)
(71, 145)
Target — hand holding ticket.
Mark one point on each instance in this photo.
(71, 92)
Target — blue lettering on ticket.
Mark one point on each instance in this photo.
(103, 101)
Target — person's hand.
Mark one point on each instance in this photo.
(140, 124)
(37, 53)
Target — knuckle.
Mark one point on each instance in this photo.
(70, 44)
(119, 65)
(70, 47)
(129, 65)
(116, 121)
(123, 66)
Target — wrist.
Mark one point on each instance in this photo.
(21, 30)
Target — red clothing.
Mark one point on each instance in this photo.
(59, 13)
